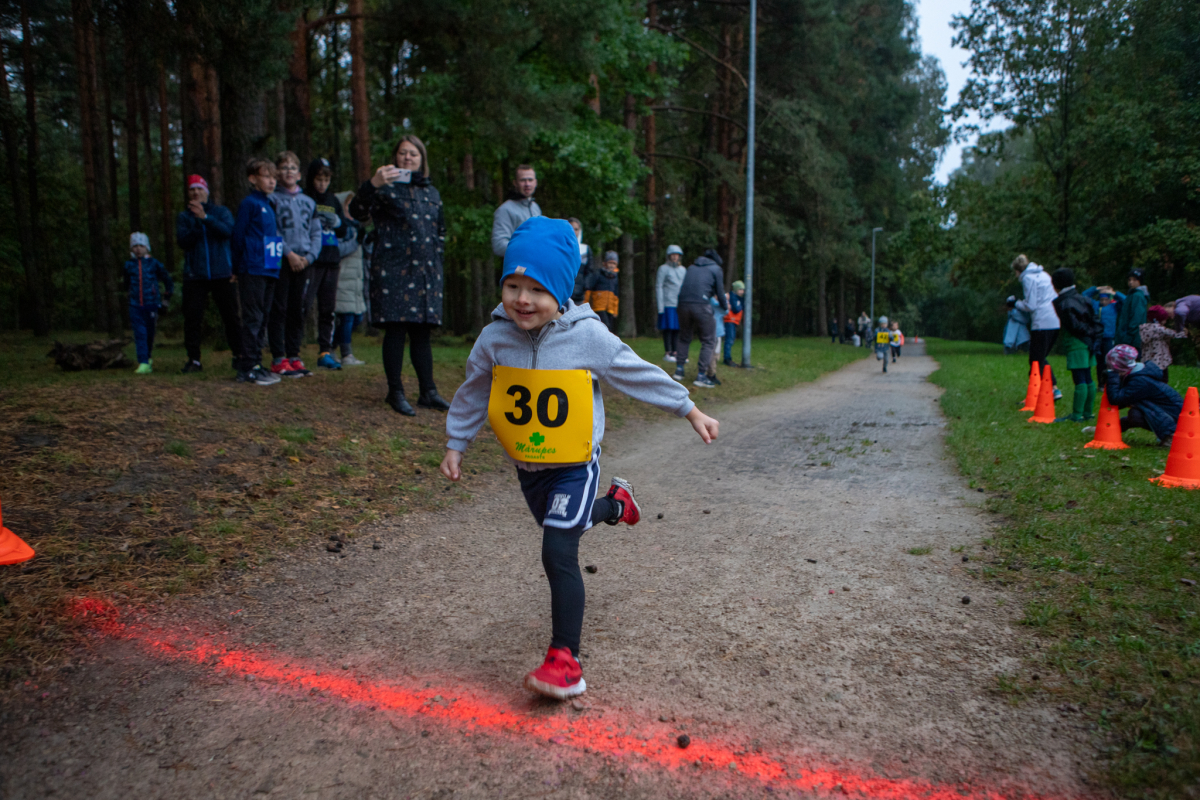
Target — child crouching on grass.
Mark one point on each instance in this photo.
(534, 374)
(1152, 404)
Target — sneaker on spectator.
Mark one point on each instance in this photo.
(559, 676)
(298, 370)
(281, 367)
(327, 361)
(192, 366)
(669, 357)
(349, 360)
(704, 382)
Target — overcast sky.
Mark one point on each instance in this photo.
(936, 34)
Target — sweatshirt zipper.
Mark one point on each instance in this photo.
(535, 341)
(141, 297)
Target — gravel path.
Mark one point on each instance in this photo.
(773, 615)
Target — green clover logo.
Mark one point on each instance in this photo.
(537, 438)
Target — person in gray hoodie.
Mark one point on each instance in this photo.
(704, 279)
(666, 289)
(538, 337)
(297, 222)
(519, 207)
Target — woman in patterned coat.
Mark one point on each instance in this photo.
(406, 267)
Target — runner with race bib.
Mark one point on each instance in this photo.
(534, 374)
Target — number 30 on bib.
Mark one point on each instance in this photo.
(542, 415)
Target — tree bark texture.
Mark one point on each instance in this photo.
(244, 133)
(100, 65)
(360, 112)
(133, 176)
(12, 151)
(32, 159)
(627, 318)
(297, 99)
(201, 107)
(164, 154)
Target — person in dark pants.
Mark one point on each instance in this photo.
(406, 275)
(203, 230)
(1039, 304)
(833, 330)
(142, 276)
(337, 242)
(1140, 387)
(704, 279)
(256, 249)
(297, 224)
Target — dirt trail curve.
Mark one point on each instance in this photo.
(772, 614)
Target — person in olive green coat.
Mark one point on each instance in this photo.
(1133, 312)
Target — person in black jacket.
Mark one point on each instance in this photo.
(1081, 333)
(203, 230)
(336, 242)
(704, 280)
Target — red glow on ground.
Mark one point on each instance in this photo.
(462, 710)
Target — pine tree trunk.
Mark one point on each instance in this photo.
(360, 112)
(131, 133)
(12, 152)
(244, 128)
(297, 99)
(164, 151)
(94, 163)
(201, 102)
(627, 316)
(651, 126)
(100, 64)
(32, 159)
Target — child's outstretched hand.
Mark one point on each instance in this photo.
(452, 465)
(703, 424)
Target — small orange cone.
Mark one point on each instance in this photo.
(1045, 403)
(1183, 462)
(1108, 427)
(12, 549)
(1035, 385)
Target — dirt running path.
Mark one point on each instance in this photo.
(772, 614)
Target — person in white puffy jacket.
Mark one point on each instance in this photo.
(1038, 303)
(351, 299)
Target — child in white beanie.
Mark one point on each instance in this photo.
(142, 276)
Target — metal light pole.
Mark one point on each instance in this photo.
(873, 232)
(747, 309)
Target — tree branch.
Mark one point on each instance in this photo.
(679, 157)
(699, 111)
(684, 39)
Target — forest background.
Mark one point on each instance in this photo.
(634, 115)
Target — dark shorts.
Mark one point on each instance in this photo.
(562, 497)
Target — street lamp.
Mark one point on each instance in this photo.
(873, 232)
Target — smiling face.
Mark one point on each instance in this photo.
(527, 302)
(408, 157)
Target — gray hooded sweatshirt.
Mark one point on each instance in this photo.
(576, 340)
(297, 222)
(508, 217)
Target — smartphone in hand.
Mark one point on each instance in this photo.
(403, 176)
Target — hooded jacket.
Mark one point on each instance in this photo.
(1039, 299)
(1133, 314)
(205, 243)
(351, 298)
(667, 284)
(1188, 309)
(1145, 390)
(508, 217)
(703, 280)
(335, 243)
(296, 221)
(142, 276)
(576, 340)
(603, 291)
(1078, 317)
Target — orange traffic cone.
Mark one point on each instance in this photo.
(1108, 427)
(12, 549)
(1035, 385)
(1045, 403)
(1183, 462)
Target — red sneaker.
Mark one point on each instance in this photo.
(298, 370)
(283, 367)
(622, 490)
(559, 676)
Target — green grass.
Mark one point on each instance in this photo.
(1100, 554)
(178, 448)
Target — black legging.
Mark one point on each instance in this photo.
(1041, 342)
(419, 350)
(669, 338)
(560, 560)
(1081, 375)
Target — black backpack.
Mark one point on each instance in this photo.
(1079, 318)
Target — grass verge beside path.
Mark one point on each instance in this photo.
(1106, 563)
(137, 488)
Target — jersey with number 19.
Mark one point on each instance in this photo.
(532, 386)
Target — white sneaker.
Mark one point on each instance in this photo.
(351, 361)
(669, 357)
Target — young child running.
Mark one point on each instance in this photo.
(883, 338)
(895, 339)
(534, 374)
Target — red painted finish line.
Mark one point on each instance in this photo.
(471, 713)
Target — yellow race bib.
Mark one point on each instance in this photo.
(882, 337)
(542, 415)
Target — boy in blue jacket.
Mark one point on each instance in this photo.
(203, 230)
(534, 374)
(257, 249)
(142, 276)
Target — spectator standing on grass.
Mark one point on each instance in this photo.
(257, 250)
(833, 330)
(296, 221)
(703, 280)
(351, 301)
(603, 291)
(406, 278)
(1139, 386)
(864, 328)
(1081, 331)
(203, 230)
(337, 241)
(1039, 304)
(142, 276)
(1156, 339)
(666, 290)
(733, 319)
(849, 334)
(1133, 311)
(1109, 301)
(585, 263)
(519, 207)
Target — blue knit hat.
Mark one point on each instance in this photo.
(546, 250)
